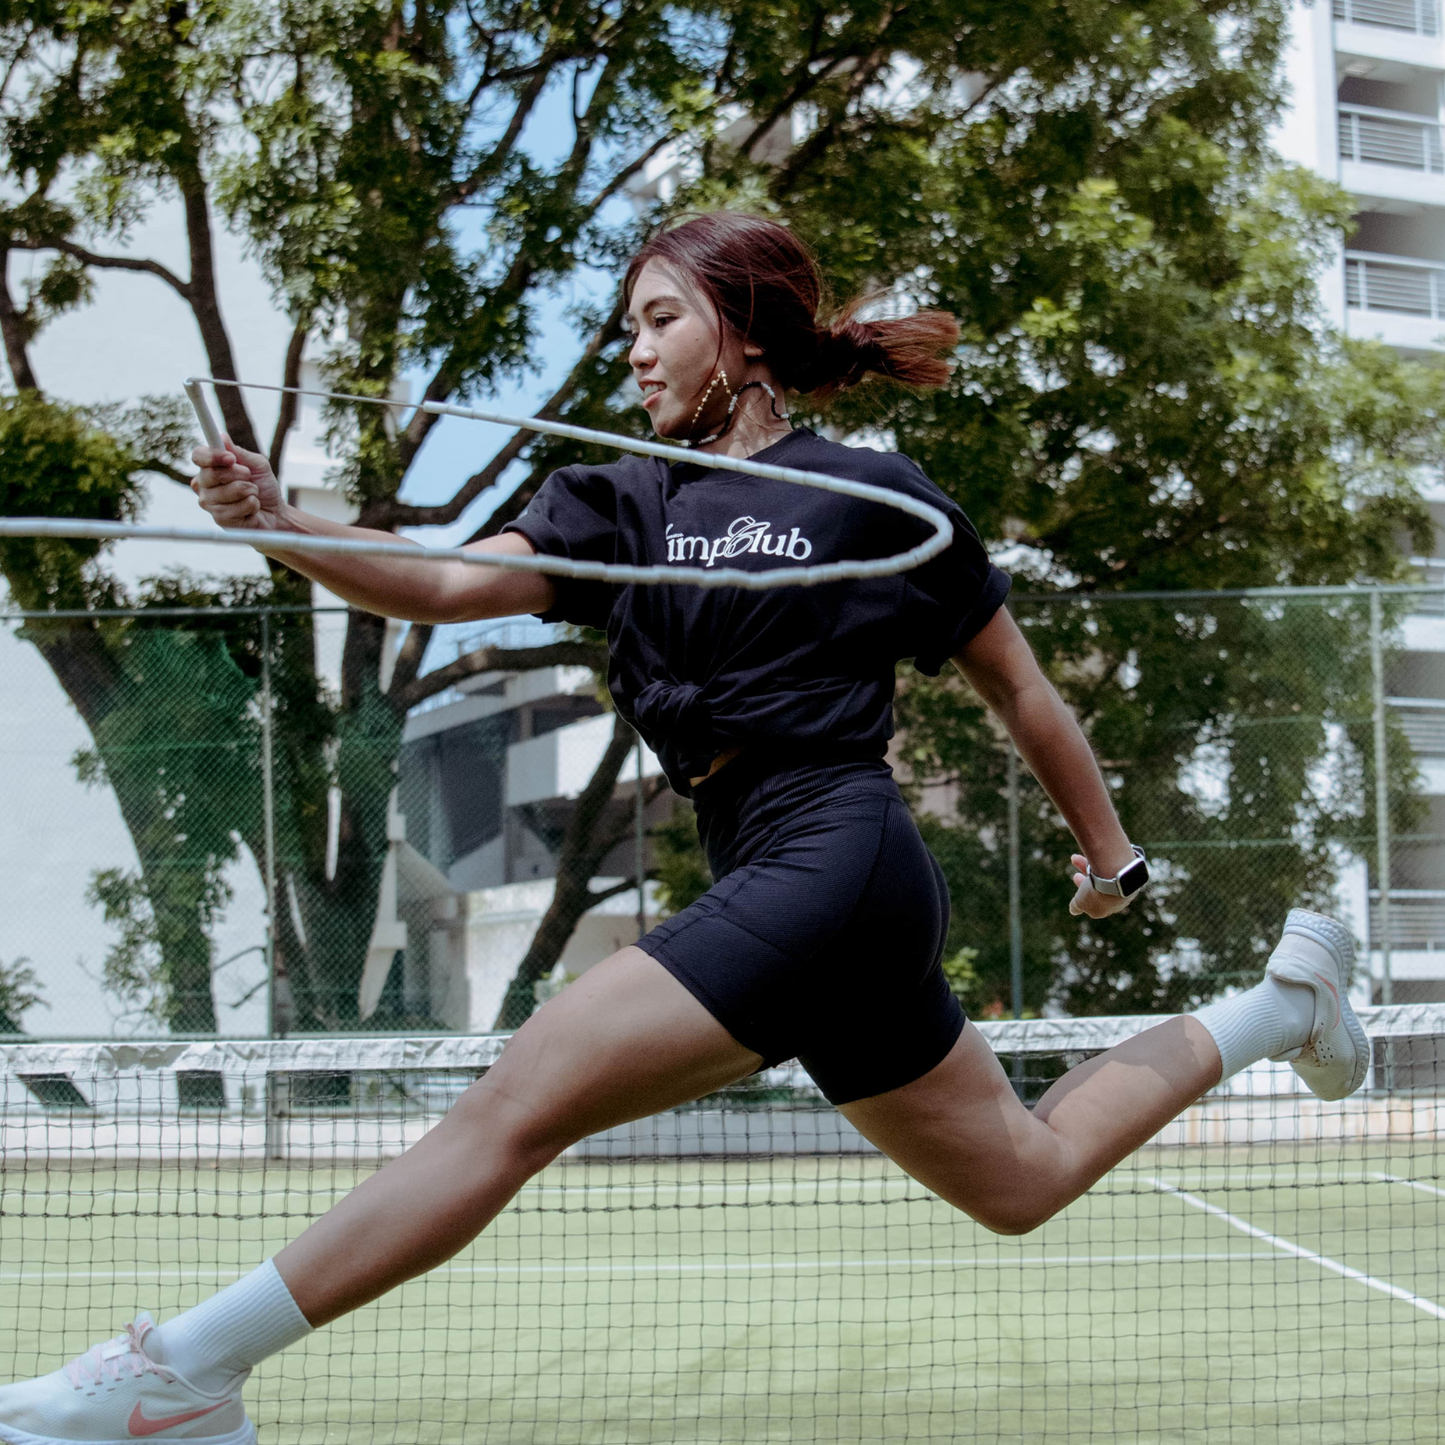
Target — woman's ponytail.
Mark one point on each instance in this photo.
(911, 350)
(765, 285)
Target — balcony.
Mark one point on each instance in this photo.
(559, 764)
(1422, 720)
(1396, 299)
(1391, 155)
(1399, 284)
(1430, 604)
(1391, 138)
(1395, 32)
(1417, 17)
(1417, 919)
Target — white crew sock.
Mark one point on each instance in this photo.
(233, 1330)
(1269, 1019)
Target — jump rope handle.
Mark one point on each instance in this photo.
(203, 414)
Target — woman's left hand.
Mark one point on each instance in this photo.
(1087, 900)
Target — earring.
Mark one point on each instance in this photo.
(721, 376)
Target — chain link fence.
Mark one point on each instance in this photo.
(198, 839)
(1268, 749)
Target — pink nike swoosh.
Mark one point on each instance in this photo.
(1333, 990)
(138, 1425)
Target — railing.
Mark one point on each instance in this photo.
(1422, 720)
(1391, 138)
(1417, 919)
(1430, 604)
(1394, 283)
(1420, 17)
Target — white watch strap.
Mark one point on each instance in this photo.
(1110, 887)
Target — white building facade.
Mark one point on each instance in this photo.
(1367, 81)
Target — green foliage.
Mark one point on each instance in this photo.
(679, 863)
(1236, 735)
(20, 990)
(134, 964)
(55, 462)
(178, 743)
(963, 980)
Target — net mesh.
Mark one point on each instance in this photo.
(747, 1269)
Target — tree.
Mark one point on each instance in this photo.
(168, 712)
(19, 990)
(1266, 452)
(595, 826)
(679, 863)
(1073, 180)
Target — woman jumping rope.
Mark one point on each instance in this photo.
(823, 937)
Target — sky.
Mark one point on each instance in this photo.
(456, 448)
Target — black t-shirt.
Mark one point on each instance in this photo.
(794, 669)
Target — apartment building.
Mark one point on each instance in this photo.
(1368, 99)
(490, 772)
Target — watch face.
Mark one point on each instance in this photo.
(1133, 878)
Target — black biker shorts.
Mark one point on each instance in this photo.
(823, 936)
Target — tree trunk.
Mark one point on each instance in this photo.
(12, 332)
(206, 307)
(589, 837)
(96, 684)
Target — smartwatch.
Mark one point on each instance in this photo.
(1127, 882)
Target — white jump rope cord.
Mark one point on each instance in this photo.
(553, 566)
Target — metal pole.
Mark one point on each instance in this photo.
(272, 1102)
(1382, 796)
(268, 825)
(640, 847)
(1015, 907)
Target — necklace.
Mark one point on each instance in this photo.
(733, 396)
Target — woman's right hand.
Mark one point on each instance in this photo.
(238, 488)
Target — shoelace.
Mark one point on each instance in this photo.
(109, 1358)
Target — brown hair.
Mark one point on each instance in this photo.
(765, 285)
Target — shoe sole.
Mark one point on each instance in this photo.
(246, 1435)
(1335, 936)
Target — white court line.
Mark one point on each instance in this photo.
(1249, 1178)
(666, 1267)
(1370, 1281)
(1325, 1175)
(1267, 1171)
(1412, 1184)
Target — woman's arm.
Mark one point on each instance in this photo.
(238, 489)
(1002, 669)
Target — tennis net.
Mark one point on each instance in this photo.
(747, 1269)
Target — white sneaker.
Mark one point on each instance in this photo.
(117, 1393)
(1318, 952)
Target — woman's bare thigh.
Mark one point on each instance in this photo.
(624, 1041)
(961, 1130)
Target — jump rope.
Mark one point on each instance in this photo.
(652, 575)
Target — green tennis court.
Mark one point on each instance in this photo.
(1280, 1293)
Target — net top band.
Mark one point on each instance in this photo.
(1038, 1036)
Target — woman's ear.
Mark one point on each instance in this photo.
(752, 350)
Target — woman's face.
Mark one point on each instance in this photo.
(675, 354)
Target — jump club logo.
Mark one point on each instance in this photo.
(746, 534)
